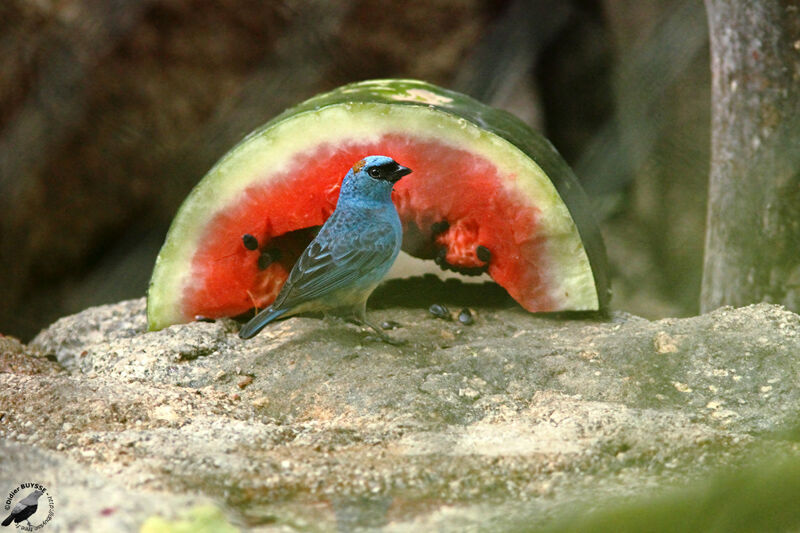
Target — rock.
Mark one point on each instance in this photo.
(516, 415)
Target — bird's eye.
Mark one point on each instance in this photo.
(374, 172)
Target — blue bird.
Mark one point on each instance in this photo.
(350, 255)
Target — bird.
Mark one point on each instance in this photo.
(24, 509)
(350, 255)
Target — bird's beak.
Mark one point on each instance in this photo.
(399, 173)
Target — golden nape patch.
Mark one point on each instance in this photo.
(359, 165)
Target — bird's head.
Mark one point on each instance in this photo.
(373, 178)
(33, 496)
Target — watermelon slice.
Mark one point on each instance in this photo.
(487, 194)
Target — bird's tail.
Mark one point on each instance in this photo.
(258, 322)
(8, 520)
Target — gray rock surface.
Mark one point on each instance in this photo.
(312, 424)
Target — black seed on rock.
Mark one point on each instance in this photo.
(439, 311)
(440, 227)
(483, 253)
(389, 324)
(250, 242)
(465, 317)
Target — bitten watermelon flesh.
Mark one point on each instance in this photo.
(487, 194)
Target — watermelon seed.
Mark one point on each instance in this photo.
(440, 227)
(250, 242)
(465, 317)
(268, 257)
(483, 253)
(468, 271)
(441, 255)
(440, 311)
(441, 260)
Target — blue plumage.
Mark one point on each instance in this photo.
(351, 253)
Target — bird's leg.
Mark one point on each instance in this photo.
(383, 336)
(361, 316)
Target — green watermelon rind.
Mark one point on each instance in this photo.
(368, 108)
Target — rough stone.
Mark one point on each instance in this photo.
(313, 423)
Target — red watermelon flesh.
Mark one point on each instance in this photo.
(448, 185)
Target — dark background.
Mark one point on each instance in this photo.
(110, 111)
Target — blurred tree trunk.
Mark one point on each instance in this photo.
(753, 227)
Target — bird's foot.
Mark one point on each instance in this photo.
(381, 336)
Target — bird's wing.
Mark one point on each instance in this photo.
(330, 264)
(19, 507)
